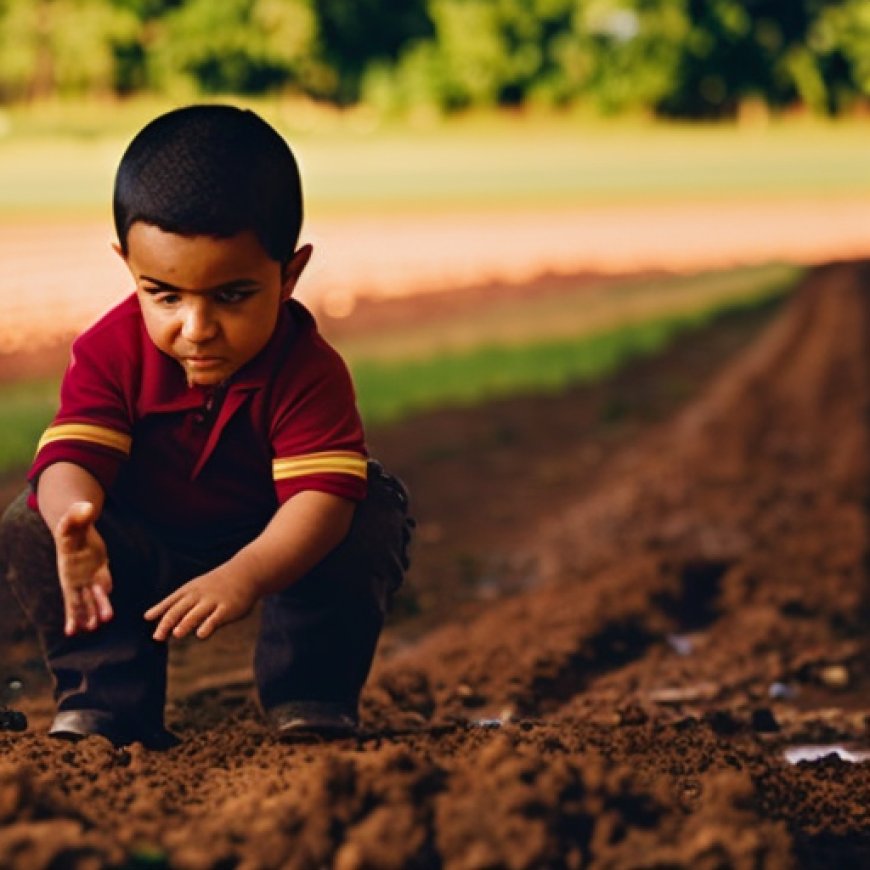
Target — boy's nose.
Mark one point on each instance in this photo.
(197, 324)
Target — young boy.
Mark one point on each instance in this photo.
(207, 454)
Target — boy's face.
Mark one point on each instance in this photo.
(211, 304)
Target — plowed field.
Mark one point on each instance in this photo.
(629, 603)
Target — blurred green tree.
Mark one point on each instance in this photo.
(767, 50)
(628, 54)
(481, 53)
(356, 34)
(840, 39)
(60, 46)
(241, 46)
(685, 58)
(132, 55)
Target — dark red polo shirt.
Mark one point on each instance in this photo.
(207, 460)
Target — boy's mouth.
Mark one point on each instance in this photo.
(202, 362)
(202, 369)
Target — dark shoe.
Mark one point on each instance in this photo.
(74, 725)
(304, 720)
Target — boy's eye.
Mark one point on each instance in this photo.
(231, 297)
(165, 298)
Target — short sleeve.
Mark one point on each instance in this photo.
(316, 434)
(92, 427)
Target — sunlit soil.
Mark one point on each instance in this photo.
(58, 275)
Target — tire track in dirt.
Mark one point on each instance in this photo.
(669, 537)
(743, 523)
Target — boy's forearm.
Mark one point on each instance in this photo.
(301, 533)
(63, 484)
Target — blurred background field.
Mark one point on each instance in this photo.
(59, 160)
(582, 167)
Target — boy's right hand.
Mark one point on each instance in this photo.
(83, 569)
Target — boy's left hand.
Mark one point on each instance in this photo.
(203, 604)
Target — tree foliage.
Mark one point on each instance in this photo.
(60, 46)
(241, 46)
(687, 58)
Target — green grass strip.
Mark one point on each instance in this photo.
(388, 391)
(25, 410)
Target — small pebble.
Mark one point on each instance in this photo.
(813, 752)
(486, 723)
(681, 644)
(781, 691)
(683, 694)
(606, 719)
(835, 676)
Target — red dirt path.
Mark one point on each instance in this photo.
(688, 566)
(58, 275)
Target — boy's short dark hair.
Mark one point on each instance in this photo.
(211, 170)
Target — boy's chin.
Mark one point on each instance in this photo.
(211, 378)
(197, 380)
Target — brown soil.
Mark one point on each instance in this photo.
(627, 601)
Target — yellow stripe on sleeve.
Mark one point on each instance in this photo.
(333, 462)
(86, 432)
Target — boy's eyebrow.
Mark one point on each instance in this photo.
(166, 286)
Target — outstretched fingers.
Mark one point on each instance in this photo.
(179, 614)
(168, 614)
(196, 618)
(82, 610)
(101, 600)
(83, 570)
(214, 621)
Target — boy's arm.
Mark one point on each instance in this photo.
(303, 530)
(70, 501)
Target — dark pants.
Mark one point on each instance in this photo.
(317, 637)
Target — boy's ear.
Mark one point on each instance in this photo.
(293, 270)
(116, 247)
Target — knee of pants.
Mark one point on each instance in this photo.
(380, 535)
(371, 561)
(28, 562)
(20, 525)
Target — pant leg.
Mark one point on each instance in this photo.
(117, 672)
(317, 638)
